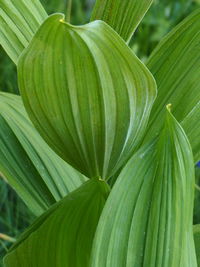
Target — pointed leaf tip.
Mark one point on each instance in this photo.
(147, 219)
(169, 107)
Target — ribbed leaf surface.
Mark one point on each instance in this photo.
(147, 219)
(63, 236)
(175, 64)
(38, 175)
(19, 20)
(123, 16)
(86, 92)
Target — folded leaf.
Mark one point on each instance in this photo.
(19, 20)
(38, 175)
(123, 16)
(175, 64)
(88, 95)
(63, 236)
(197, 242)
(147, 219)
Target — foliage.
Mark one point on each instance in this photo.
(14, 216)
(91, 98)
(163, 16)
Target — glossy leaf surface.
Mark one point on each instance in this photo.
(175, 64)
(147, 219)
(19, 20)
(38, 175)
(63, 236)
(123, 16)
(88, 95)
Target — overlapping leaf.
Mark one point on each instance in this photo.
(19, 20)
(63, 236)
(147, 219)
(175, 64)
(87, 93)
(38, 175)
(123, 16)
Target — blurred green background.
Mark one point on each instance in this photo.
(161, 18)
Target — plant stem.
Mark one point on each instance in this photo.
(7, 238)
(69, 9)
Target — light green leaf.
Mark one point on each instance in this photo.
(147, 219)
(175, 64)
(38, 175)
(197, 241)
(88, 95)
(123, 16)
(63, 236)
(19, 20)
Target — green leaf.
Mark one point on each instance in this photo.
(65, 232)
(38, 175)
(88, 95)
(19, 20)
(123, 16)
(147, 219)
(197, 241)
(175, 64)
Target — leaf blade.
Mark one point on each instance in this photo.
(38, 175)
(19, 20)
(75, 109)
(149, 207)
(197, 241)
(175, 65)
(71, 221)
(123, 17)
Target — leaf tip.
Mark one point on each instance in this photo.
(169, 107)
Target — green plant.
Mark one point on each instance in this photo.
(128, 199)
(163, 16)
(14, 217)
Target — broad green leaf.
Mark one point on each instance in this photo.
(63, 236)
(19, 20)
(38, 175)
(123, 16)
(197, 241)
(88, 95)
(175, 64)
(147, 219)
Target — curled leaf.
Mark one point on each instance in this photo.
(88, 95)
